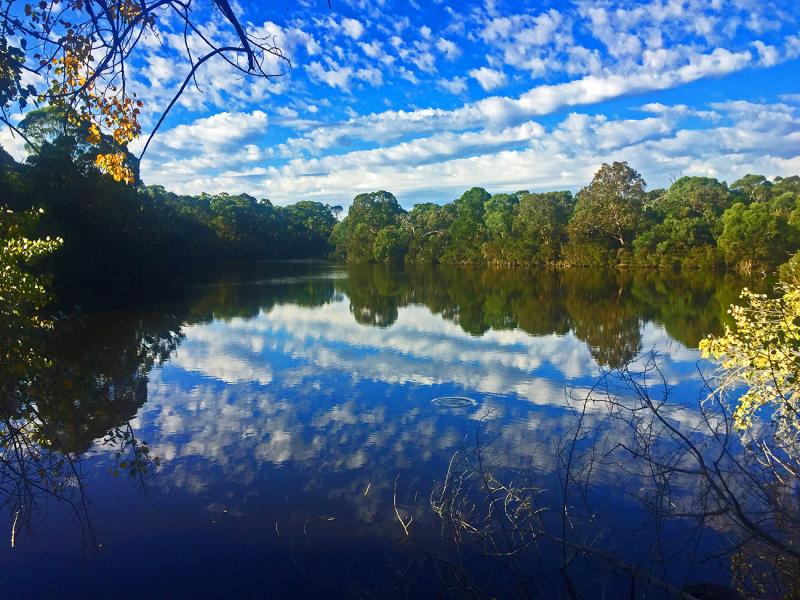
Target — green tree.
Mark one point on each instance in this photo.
(471, 205)
(686, 223)
(691, 197)
(56, 129)
(428, 227)
(355, 236)
(340, 236)
(308, 227)
(360, 241)
(390, 245)
(753, 188)
(539, 225)
(755, 236)
(498, 215)
(610, 209)
(467, 231)
(376, 209)
(498, 218)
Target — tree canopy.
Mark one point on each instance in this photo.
(114, 232)
(698, 222)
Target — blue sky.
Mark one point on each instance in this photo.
(426, 99)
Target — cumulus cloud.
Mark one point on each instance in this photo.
(489, 79)
(353, 28)
(456, 85)
(336, 76)
(767, 55)
(380, 99)
(448, 48)
(500, 111)
(735, 137)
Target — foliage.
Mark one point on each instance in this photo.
(55, 130)
(428, 226)
(762, 350)
(789, 271)
(468, 230)
(611, 208)
(120, 233)
(697, 223)
(369, 214)
(685, 222)
(75, 53)
(22, 295)
(390, 245)
(755, 235)
(753, 188)
(540, 225)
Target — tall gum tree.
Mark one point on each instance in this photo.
(611, 207)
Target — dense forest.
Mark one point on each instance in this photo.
(113, 231)
(699, 222)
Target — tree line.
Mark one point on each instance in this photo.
(113, 231)
(698, 222)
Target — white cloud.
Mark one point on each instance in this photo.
(370, 75)
(767, 55)
(489, 79)
(530, 42)
(337, 76)
(737, 137)
(207, 135)
(500, 111)
(287, 111)
(448, 48)
(457, 85)
(12, 143)
(374, 49)
(353, 28)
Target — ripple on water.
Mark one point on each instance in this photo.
(454, 401)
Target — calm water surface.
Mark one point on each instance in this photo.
(288, 403)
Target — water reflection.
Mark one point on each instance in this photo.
(284, 405)
(603, 309)
(100, 377)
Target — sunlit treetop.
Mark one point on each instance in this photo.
(73, 54)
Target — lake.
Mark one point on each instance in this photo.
(275, 432)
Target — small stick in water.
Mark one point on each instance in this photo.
(14, 528)
(397, 512)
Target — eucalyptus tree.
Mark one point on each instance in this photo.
(755, 237)
(686, 223)
(468, 231)
(753, 188)
(354, 237)
(540, 225)
(611, 208)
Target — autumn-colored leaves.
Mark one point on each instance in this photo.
(80, 82)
